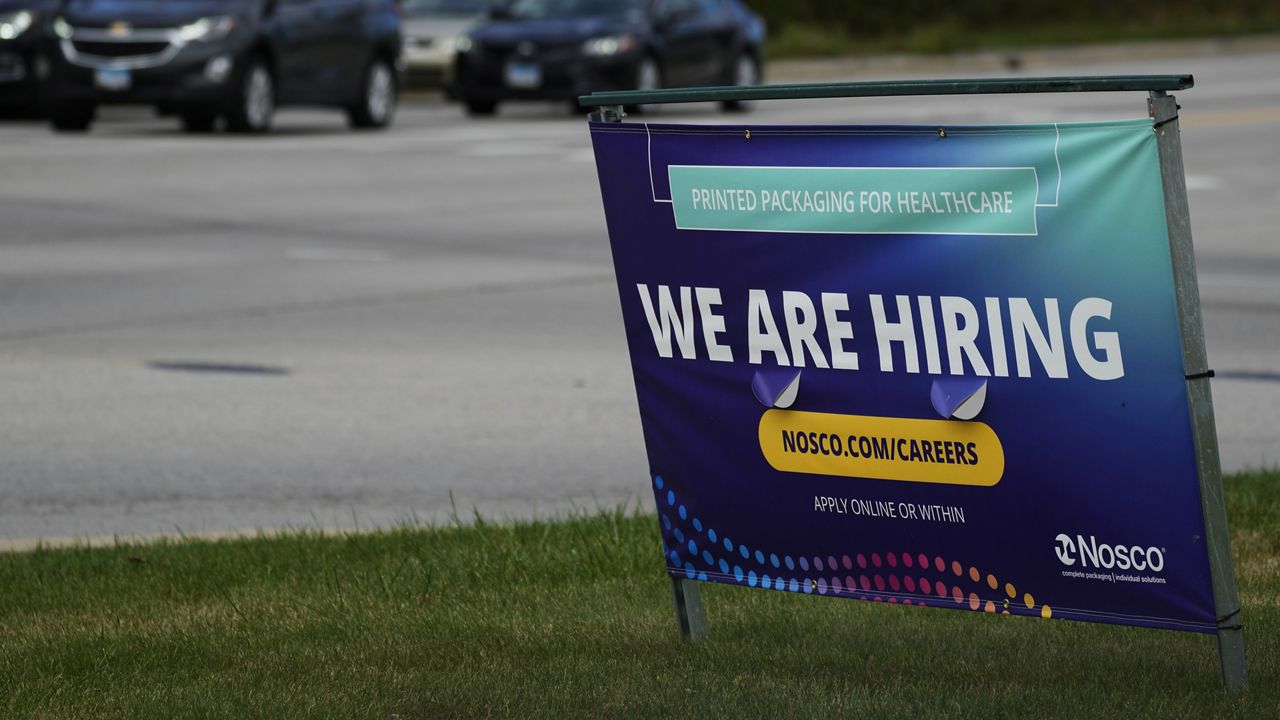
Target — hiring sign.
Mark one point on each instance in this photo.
(938, 368)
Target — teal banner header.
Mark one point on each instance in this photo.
(856, 200)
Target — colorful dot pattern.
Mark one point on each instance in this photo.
(697, 551)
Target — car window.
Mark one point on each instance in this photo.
(534, 9)
(446, 7)
(677, 7)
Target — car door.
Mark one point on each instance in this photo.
(342, 46)
(296, 36)
(694, 40)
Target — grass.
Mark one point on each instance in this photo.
(568, 619)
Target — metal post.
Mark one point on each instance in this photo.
(687, 596)
(890, 88)
(1164, 109)
(693, 624)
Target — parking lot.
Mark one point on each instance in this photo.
(321, 328)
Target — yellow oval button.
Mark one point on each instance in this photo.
(949, 452)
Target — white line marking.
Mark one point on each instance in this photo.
(324, 254)
(1229, 280)
(510, 149)
(1203, 182)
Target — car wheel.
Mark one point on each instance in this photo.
(198, 121)
(648, 77)
(254, 103)
(377, 98)
(72, 117)
(746, 71)
(481, 108)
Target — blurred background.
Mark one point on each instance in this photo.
(812, 27)
(342, 263)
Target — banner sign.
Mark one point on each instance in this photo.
(912, 365)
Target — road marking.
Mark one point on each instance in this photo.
(511, 149)
(1250, 375)
(1232, 118)
(330, 254)
(1230, 280)
(1203, 182)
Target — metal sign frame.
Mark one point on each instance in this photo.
(1163, 109)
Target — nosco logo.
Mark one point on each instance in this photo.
(1089, 553)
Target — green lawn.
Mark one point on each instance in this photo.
(569, 619)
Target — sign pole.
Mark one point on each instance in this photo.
(1164, 110)
(686, 594)
(689, 616)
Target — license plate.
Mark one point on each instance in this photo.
(113, 79)
(11, 68)
(524, 75)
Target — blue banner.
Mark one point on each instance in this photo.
(900, 365)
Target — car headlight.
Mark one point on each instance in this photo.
(608, 45)
(208, 29)
(62, 28)
(14, 24)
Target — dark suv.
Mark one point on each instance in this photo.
(560, 49)
(22, 67)
(235, 59)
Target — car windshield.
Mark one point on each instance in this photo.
(534, 9)
(420, 8)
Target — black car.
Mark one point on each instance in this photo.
(235, 59)
(560, 49)
(22, 67)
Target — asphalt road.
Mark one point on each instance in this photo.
(327, 329)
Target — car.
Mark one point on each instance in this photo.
(22, 66)
(431, 29)
(237, 60)
(561, 49)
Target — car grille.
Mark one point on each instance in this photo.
(120, 49)
(12, 69)
(541, 52)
